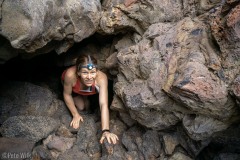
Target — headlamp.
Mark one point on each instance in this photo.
(89, 66)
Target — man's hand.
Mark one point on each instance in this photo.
(111, 137)
(76, 121)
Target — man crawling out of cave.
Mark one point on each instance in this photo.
(83, 80)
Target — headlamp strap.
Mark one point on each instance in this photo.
(89, 66)
(89, 60)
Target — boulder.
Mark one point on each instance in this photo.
(30, 127)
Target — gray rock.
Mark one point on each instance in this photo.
(41, 22)
(73, 154)
(201, 127)
(132, 139)
(236, 88)
(16, 148)
(126, 118)
(170, 141)
(179, 156)
(41, 152)
(151, 146)
(29, 127)
(60, 144)
(24, 98)
(87, 140)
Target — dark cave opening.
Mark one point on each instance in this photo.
(46, 69)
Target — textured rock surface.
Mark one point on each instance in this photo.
(10, 149)
(29, 127)
(174, 64)
(40, 22)
(23, 98)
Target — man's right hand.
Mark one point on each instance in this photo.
(76, 121)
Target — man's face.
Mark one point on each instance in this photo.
(87, 76)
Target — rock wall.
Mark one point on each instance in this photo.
(48, 25)
(175, 65)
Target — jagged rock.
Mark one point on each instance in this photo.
(30, 127)
(118, 152)
(132, 141)
(60, 144)
(227, 37)
(192, 147)
(170, 141)
(41, 152)
(63, 131)
(125, 42)
(114, 19)
(117, 104)
(41, 22)
(24, 98)
(236, 88)
(87, 140)
(201, 127)
(172, 72)
(147, 68)
(138, 15)
(111, 64)
(66, 120)
(136, 92)
(193, 84)
(117, 127)
(114, 151)
(147, 143)
(126, 118)
(131, 138)
(179, 156)
(151, 146)
(73, 154)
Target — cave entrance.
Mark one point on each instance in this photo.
(46, 69)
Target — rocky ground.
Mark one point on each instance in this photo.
(174, 68)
